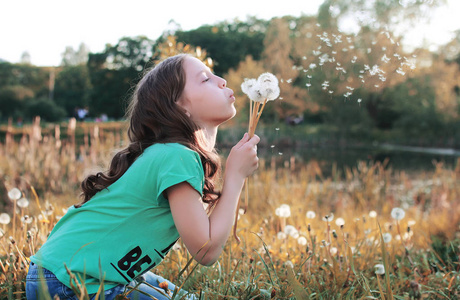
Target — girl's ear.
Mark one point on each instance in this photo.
(184, 104)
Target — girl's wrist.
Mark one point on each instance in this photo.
(233, 178)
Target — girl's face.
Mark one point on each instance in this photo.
(206, 97)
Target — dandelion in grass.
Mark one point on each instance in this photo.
(387, 237)
(333, 250)
(311, 214)
(302, 241)
(340, 222)
(398, 213)
(329, 217)
(281, 235)
(14, 194)
(5, 219)
(283, 211)
(26, 219)
(23, 202)
(289, 264)
(291, 231)
(379, 269)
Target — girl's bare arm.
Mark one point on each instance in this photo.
(208, 234)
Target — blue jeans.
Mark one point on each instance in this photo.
(37, 275)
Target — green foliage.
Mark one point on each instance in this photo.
(32, 77)
(72, 88)
(12, 100)
(228, 43)
(45, 108)
(114, 72)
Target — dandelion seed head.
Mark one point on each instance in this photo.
(398, 213)
(311, 214)
(373, 214)
(5, 218)
(387, 237)
(283, 211)
(379, 269)
(281, 235)
(302, 241)
(291, 230)
(269, 88)
(329, 217)
(289, 264)
(14, 194)
(333, 250)
(340, 222)
(23, 202)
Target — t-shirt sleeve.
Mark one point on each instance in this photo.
(180, 165)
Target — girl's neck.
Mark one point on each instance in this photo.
(209, 134)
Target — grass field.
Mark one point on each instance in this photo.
(368, 232)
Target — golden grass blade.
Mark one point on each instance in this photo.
(386, 265)
(297, 287)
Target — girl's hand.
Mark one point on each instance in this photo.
(243, 160)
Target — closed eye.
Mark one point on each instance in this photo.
(206, 80)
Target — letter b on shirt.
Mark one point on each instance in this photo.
(132, 262)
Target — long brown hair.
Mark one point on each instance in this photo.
(155, 117)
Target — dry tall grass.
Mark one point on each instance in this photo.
(303, 236)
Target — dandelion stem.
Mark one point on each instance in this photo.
(260, 113)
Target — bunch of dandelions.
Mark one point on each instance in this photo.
(259, 91)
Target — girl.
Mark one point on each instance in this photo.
(153, 192)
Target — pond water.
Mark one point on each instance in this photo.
(409, 159)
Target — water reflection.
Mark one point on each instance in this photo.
(409, 160)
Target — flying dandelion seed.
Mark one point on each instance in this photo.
(411, 223)
(387, 237)
(373, 214)
(398, 213)
(14, 194)
(311, 214)
(379, 269)
(5, 218)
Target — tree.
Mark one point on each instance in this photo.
(72, 88)
(70, 57)
(45, 108)
(228, 43)
(115, 71)
(12, 99)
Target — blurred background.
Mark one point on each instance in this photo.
(360, 80)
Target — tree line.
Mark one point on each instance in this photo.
(355, 82)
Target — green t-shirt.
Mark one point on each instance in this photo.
(128, 227)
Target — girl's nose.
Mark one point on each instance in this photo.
(222, 82)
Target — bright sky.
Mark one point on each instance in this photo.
(45, 27)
